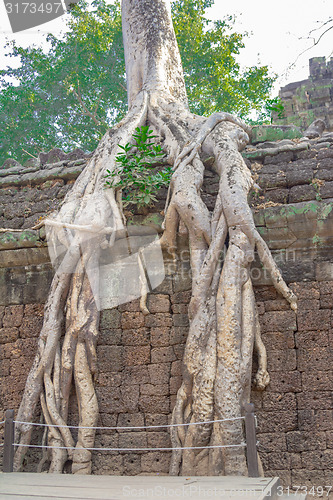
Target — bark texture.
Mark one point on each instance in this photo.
(224, 324)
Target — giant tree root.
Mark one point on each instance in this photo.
(224, 325)
(223, 318)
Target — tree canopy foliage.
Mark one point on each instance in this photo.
(71, 94)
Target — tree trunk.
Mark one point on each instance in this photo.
(223, 318)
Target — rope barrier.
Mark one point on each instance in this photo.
(129, 428)
(242, 445)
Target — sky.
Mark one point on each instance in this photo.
(277, 35)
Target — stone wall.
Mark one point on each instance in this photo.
(140, 356)
(309, 99)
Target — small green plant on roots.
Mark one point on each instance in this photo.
(136, 174)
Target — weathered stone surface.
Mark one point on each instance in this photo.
(278, 402)
(154, 403)
(278, 321)
(110, 358)
(158, 303)
(277, 421)
(311, 420)
(302, 441)
(263, 133)
(272, 441)
(155, 462)
(160, 372)
(317, 381)
(138, 336)
(138, 355)
(285, 382)
(8, 335)
(13, 316)
(132, 320)
(110, 318)
(314, 320)
(282, 360)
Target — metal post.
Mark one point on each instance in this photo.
(8, 445)
(251, 440)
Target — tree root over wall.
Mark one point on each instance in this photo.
(224, 324)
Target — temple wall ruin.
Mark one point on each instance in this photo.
(140, 356)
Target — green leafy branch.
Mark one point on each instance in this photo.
(136, 172)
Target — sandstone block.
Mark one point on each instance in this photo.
(180, 320)
(154, 390)
(155, 461)
(154, 419)
(275, 460)
(159, 440)
(276, 321)
(281, 360)
(314, 320)
(178, 335)
(130, 397)
(136, 375)
(285, 382)
(308, 340)
(179, 351)
(31, 326)
(176, 368)
(13, 316)
(154, 404)
(272, 441)
(159, 373)
(181, 297)
(276, 402)
(298, 441)
(8, 335)
(110, 358)
(278, 340)
(136, 337)
(138, 355)
(315, 400)
(133, 440)
(281, 421)
(321, 420)
(158, 319)
(179, 308)
(158, 303)
(162, 354)
(110, 318)
(318, 358)
(132, 320)
(159, 336)
(317, 381)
